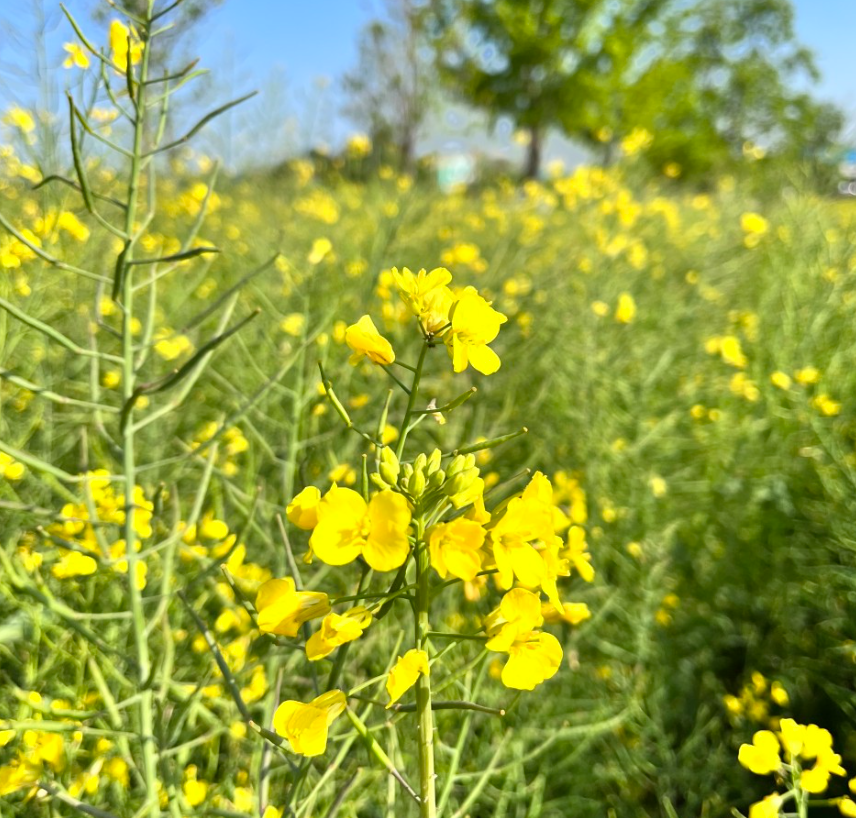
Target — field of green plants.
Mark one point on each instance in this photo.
(182, 354)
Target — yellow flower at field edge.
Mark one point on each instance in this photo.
(474, 325)
(282, 609)
(337, 629)
(305, 726)
(349, 527)
(365, 340)
(405, 673)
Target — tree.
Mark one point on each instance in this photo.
(726, 75)
(542, 63)
(389, 90)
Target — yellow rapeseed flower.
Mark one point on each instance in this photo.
(77, 57)
(305, 726)
(337, 629)
(475, 324)
(768, 808)
(365, 340)
(302, 511)
(762, 755)
(10, 468)
(124, 42)
(456, 548)
(405, 673)
(282, 609)
(427, 295)
(625, 312)
(781, 380)
(348, 527)
(74, 564)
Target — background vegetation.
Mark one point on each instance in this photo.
(680, 344)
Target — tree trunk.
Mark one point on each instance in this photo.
(533, 154)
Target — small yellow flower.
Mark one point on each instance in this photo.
(293, 324)
(321, 248)
(780, 380)
(337, 629)
(762, 755)
(768, 808)
(625, 312)
(124, 42)
(779, 695)
(365, 340)
(572, 612)
(405, 673)
(475, 324)
(427, 295)
(302, 511)
(20, 119)
(305, 726)
(600, 308)
(77, 57)
(532, 658)
(847, 807)
(74, 564)
(456, 548)
(348, 527)
(807, 375)
(10, 468)
(282, 609)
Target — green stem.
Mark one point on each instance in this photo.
(425, 728)
(125, 274)
(411, 402)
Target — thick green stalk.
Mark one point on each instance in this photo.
(425, 727)
(129, 465)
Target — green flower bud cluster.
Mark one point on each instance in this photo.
(424, 479)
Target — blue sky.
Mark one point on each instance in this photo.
(294, 51)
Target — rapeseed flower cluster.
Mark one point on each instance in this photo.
(799, 754)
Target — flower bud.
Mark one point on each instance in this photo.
(436, 479)
(456, 466)
(460, 482)
(380, 482)
(416, 483)
(434, 460)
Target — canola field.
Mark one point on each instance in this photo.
(592, 475)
